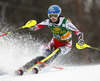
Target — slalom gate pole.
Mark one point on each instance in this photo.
(45, 59)
(49, 65)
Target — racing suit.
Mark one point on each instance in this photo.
(62, 39)
(62, 34)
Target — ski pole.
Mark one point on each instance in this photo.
(45, 59)
(85, 46)
(27, 25)
(49, 65)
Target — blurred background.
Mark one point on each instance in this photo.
(84, 14)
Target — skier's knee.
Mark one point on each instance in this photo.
(64, 49)
(47, 52)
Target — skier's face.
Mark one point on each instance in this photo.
(53, 17)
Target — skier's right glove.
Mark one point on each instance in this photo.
(81, 42)
(32, 28)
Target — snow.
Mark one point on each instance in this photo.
(83, 73)
(17, 50)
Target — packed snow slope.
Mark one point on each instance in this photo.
(84, 73)
(16, 50)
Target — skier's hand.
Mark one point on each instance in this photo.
(32, 28)
(81, 42)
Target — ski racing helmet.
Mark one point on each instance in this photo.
(54, 11)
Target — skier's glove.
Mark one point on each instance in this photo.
(32, 28)
(81, 42)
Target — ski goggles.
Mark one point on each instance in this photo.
(53, 16)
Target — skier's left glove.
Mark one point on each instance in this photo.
(80, 39)
(81, 42)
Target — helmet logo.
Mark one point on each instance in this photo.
(52, 10)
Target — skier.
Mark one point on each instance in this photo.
(62, 30)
